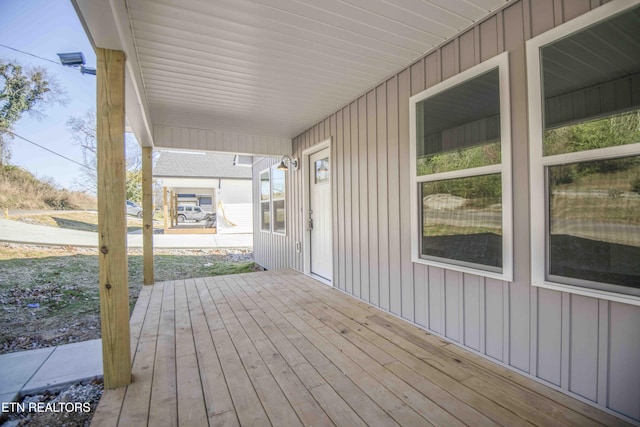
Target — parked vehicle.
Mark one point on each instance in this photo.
(195, 213)
(133, 209)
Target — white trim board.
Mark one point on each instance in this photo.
(500, 62)
(538, 162)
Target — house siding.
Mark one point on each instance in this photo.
(271, 250)
(584, 346)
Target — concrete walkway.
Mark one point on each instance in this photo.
(20, 232)
(32, 371)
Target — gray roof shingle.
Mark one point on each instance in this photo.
(198, 165)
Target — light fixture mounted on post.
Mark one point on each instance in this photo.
(283, 166)
(76, 60)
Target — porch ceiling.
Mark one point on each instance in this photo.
(266, 67)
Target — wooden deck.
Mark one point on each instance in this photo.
(279, 348)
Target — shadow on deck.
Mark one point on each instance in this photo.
(279, 348)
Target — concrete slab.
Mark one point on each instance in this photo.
(68, 364)
(16, 369)
(19, 232)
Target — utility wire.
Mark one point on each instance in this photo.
(31, 54)
(51, 151)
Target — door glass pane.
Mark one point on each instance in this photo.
(462, 220)
(322, 170)
(595, 221)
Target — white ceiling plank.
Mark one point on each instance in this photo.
(433, 19)
(269, 67)
(279, 81)
(167, 15)
(261, 51)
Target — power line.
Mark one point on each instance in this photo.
(31, 54)
(51, 151)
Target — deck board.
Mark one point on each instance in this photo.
(278, 348)
(163, 407)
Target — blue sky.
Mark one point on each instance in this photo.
(45, 28)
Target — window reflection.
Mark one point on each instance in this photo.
(462, 220)
(322, 170)
(264, 185)
(277, 183)
(595, 221)
(278, 193)
(459, 128)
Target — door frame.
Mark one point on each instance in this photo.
(306, 202)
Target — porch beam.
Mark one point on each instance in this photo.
(112, 226)
(147, 215)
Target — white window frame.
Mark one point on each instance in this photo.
(538, 162)
(260, 201)
(272, 211)
(501, 63)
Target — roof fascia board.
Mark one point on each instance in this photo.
(178, 138)
(107, 26)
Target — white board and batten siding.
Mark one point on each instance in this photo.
(178, 138)
(271, 250)
(584, 346)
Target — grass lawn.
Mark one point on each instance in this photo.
(63, 283)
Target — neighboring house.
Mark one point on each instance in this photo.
(208, 180)
(468, 166)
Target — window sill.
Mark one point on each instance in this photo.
(588, 292)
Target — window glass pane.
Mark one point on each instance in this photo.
(462, 220)
(459, 128)
(265, 216)
(590, 82)
(277, 183)
(322, 170)
(264, 186)
(206, 201)
(595, 221)
(279, 216)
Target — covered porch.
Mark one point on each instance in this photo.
(279, 348)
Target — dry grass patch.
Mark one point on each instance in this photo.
(49, 295)
(83, 221)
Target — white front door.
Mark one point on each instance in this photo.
(319, 224)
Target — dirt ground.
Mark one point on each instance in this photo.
(49, 295)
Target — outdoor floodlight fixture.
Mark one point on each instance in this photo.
(283, 166)
(76, 60)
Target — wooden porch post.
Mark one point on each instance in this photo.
(165, 208)
(174, 208)
(147, 215)
(112, 226)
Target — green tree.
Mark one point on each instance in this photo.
(23, 90)
(83, 131)
(134, 185)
